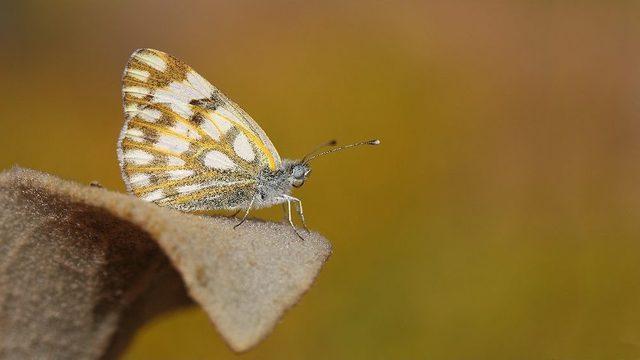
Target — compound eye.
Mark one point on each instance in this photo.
(297, 172)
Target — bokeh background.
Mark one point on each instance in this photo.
(500, 217)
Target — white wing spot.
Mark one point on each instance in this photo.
(178, 95)
(217, 160)
(217, 117)
(138, 157)
(140, 75)
(243, 148)
(184, 91)
(154, 195)
(137, 91)
(146, 114)
(136, 135)
(183, 129)
(174, 161)
(140, 179)
(172, 143)
(179, 174)
(152, 60)
(200, 84)
(176, 105)
(150, 115)
(210, 129)
(188, 188)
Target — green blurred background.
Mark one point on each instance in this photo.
(500, 217)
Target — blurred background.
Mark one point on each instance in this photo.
(500, 217)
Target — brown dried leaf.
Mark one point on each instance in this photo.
(82, 267)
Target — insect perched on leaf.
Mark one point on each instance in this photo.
(186, 146)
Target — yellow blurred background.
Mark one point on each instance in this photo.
(500, 217)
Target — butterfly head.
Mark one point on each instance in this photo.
(298, 173)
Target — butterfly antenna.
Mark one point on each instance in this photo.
(369, 142)
(328, 143)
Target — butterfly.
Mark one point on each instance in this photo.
(186, 146)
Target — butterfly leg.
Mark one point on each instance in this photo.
(246, 213)
(300, 211)
(290, 220)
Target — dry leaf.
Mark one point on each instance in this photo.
(81, 268)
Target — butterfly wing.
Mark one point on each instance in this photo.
(184, 144)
